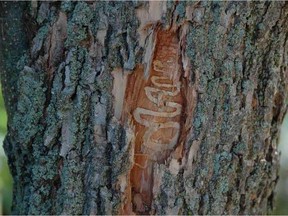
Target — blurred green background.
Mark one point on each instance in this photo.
(282, 187)
(6, 179)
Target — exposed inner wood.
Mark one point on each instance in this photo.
(120, 81)
(156, 107)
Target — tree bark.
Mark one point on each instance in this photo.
(144, 107)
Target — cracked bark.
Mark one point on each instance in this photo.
(73, 74)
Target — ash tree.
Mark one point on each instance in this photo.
(143, 107)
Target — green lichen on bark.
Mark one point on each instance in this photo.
(232, 57)
(29, 112)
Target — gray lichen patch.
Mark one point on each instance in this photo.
(31, 99)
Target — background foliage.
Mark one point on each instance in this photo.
(5, 177)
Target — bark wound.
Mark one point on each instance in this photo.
(156, 105)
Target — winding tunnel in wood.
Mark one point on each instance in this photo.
(156, 105)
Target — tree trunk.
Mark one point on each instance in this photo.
(144, 107)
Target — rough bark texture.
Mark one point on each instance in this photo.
(68, 71)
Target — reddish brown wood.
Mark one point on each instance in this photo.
(156, 106)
